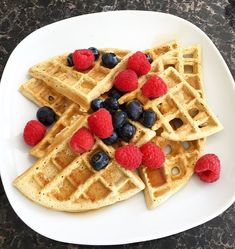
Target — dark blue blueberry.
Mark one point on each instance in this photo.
(110, 60)
(112, 139)
(126, 132)
(115, 93)
(148, 118)
(119, 119)
(99, 160)
(95, 52)
(149, 58)
(134, 109)
(111, 104)
(96, 104)
(70, 60)
(46, 115)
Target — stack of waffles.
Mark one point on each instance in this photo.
(65, 181)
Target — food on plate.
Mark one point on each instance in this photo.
(119, 113)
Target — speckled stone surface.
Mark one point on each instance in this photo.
(20, 18)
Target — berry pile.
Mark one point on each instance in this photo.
(110, 122)
(122, 128)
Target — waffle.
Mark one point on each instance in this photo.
(174, 174)
(182, 114)
(187, 61)
(83, 87)
(43, 95)
(64, 181)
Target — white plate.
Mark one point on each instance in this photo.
(129, 221)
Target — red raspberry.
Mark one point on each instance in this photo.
(82, 140)
(83, 59)
(154, 87)
(153, 156)
(208, 168)
(139, 63)
(126, 81)
(34, 131)
(128, 156)
(100, 123)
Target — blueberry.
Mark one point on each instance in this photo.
(115, 93)
(111, 104)
(110, 60)
(119, 119)
(96, 104)
(126, 132)
(112, 139)
(70, 60)
(46, 115)
(149, 58)
(95, 52)
(148, 118)
(99, 160)
(134, 109)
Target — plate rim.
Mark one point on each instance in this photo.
(133, 238)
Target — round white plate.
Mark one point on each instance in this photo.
(128, 221)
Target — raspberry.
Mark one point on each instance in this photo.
(154, 87)
(83, 59)
(128, 156)
(82, 140)
(208, 168)
(34, 131)
(153, 156)
(139, 63)
(100, 123)
(126, 81)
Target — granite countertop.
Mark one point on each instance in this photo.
(20, 18)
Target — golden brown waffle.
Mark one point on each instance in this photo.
(187, 61)
(83, 87)
(182, 114)
(64, 181)
(174, 174)
(43, 95)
